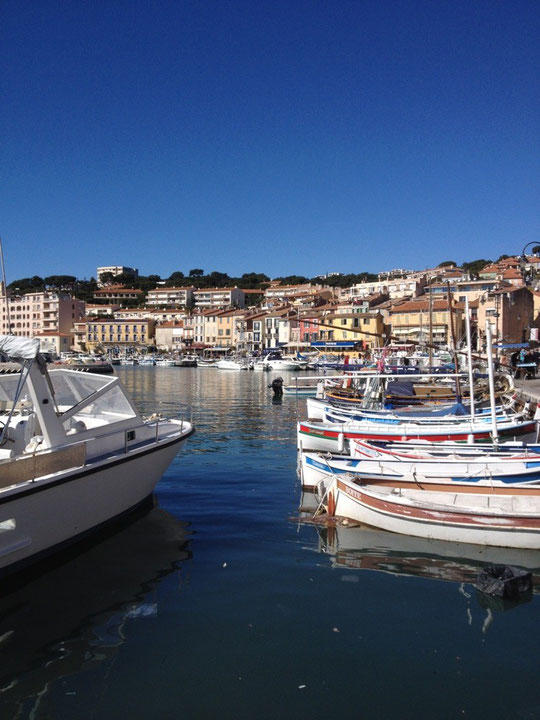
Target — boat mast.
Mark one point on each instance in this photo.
(430, 364)
(453, 336)
(469, 354)
(491, 382)
(5, 287)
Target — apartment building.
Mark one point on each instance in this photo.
(396, 288)
(169, 336)
(108, 333)
(40, 312)
(353, 328)
(170, 297)
(220, 328)
(118, 294)
(462, 289)
(410, 321)
(511, 312)
(115, 270)
(100, 310)
(279, 327)
(219, 298)
(278, 294)
(250, 331)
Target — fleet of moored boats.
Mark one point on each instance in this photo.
(456, 472)
(436, 455)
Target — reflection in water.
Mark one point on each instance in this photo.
(70, 615)
(366, 548)
(224, 404)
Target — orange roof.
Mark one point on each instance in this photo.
(423, 305)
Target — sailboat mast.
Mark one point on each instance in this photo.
(5, 288)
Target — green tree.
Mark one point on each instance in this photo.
(175, 279)
(475, 266)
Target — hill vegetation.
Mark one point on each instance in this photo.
(196, 277)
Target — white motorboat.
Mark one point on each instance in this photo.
(231, 364)
(74, 453)
(186, 361)
(276, 361)
(165, 362)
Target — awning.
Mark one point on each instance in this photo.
(334, 344)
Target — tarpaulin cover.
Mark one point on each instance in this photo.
(19, 348)
(400, 387)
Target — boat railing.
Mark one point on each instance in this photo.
(175, 411)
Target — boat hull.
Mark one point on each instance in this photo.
(320, 436)
(501, 475)
(403, 513)
(38, 516)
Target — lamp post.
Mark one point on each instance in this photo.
(523, 257)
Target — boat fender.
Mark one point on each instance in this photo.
(341, 442)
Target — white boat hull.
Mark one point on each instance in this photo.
(37, 516)
(484, 520)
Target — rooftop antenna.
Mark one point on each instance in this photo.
(5, 286)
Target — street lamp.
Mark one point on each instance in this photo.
(523, 257)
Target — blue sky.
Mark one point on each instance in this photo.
(283, 137)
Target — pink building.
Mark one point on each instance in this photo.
(40, 312)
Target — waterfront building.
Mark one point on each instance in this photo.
(353, 327)
(473, 289)
(219, 328)
(511, 312)
(250, 331)
(309, 326)
(169, 336)
(410, 321)
(54, 342)
(278, 323)
(170, 297)
(107, 334)
(39, 312)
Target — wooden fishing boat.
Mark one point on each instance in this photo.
(504, 473)
(335, 437)
(482, 519)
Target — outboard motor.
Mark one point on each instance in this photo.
(277, 386)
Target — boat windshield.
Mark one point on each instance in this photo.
(89, 401)
(8, 390)
(71, 388)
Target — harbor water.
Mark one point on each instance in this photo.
(219, 603)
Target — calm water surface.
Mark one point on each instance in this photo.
(215, 604)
